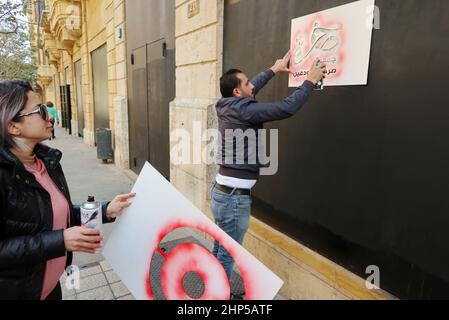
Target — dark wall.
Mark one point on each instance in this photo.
(363, 170)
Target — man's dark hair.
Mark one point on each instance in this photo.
(229, 81)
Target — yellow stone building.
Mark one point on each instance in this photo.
(82, 69)
(86, 57)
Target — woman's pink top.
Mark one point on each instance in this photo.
(55, 268)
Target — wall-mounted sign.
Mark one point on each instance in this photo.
(340, 37)
(193, 8)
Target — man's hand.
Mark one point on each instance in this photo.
(115, 208)
(317, 72)
(281, 65)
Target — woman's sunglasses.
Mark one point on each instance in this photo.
(41, 109)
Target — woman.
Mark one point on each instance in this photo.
(39, 226)
(54, 113)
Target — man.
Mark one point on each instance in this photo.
(52, 110)
(239, 111)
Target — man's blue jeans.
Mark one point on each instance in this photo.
(231, 213)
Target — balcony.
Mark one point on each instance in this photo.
(51, 49)
(45, 21)
(44, 75)
(64, 22)
(44, 71)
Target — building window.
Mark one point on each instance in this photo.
(40, 7)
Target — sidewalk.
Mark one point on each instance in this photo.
(86, 175)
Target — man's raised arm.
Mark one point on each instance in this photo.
(262, 78)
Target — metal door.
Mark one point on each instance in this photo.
(63, 106)
(151, 66)
(159, 95)
(79, 97)
(66, 107)
(100, 87)
(138, 111)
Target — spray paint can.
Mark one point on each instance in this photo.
(320, 84)
(91, 215)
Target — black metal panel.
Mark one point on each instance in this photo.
(138, 111)
(363, 171)
(151, 24)
(160, 93)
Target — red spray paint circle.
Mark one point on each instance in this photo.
(190, 257)
(177, 284)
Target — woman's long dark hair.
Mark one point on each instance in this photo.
(13, 98)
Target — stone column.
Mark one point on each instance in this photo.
(199, 51)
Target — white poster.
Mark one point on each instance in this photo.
(340, 37)
(159, 209)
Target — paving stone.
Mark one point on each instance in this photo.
(86, 272)
(112, 276)
(92, 282)
(119, 289)
(102, 293)
(105, 265)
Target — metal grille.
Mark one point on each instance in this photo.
(193, 285)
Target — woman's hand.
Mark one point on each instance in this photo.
(116, 206)
(82, 239)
